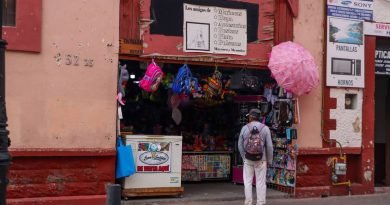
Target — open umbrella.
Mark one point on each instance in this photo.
(294, 68)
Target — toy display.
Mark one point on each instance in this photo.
(198, 167)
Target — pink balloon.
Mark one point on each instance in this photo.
(294, 68)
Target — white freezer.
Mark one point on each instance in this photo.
(157, 159)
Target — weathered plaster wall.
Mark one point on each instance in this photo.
(309, 32)
(348, 121)
(60, 101)
(381, 11)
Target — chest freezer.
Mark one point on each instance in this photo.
(158, 163)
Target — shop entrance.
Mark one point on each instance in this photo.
(382, 134)
(382, 112)
(209, 119)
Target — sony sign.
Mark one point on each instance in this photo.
(363, 5)
(356, 4)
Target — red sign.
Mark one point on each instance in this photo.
(153, 168)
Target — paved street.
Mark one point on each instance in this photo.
(376, 199)
(230, 194)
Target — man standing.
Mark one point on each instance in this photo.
(255, 146)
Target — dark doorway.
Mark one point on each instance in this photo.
(382, 124)
(382, 112)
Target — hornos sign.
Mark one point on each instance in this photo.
(154, 157)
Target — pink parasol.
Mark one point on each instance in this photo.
(293, 67)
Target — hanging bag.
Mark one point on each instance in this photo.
(125, 165)
(184, 83)
(236, 80)
(243, 80)
(214, 84)
(152, 78)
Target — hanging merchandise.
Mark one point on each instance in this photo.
(294, 68)
(174, 101)
(243, 80)
(122, 81)
(167, 80)
(156, 96)
(123, 78)
(176, 116)
(119, 97)
(214, 84)
(184, 83)
(284, 113)
(125, 165)
(152, 78)
(120, 114)
(236, 80)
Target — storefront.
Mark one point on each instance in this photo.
(208, 122)
(218, 41)
(73, 65)
(354, 103)
(380, 41)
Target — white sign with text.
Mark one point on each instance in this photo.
(211, 29)
(345, 53)
(377, 29)
(154, 157)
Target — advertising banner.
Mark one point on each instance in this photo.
(351, 9)
(377, 29)
(211, 29)
(382, 57)
(154, 157)
(345, 42)
(345, 53)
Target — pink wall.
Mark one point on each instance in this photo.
(309, 31)
(54, 105)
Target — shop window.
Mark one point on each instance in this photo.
(9, 13)
(350, 101)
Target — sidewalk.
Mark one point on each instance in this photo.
(205, 193)
(373, 199)
(230, 194)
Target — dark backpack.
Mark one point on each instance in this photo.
(254, 143)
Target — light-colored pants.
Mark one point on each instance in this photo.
(250, 169)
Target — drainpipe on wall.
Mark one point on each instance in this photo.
(5, 158)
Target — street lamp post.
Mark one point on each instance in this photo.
(5, 158)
